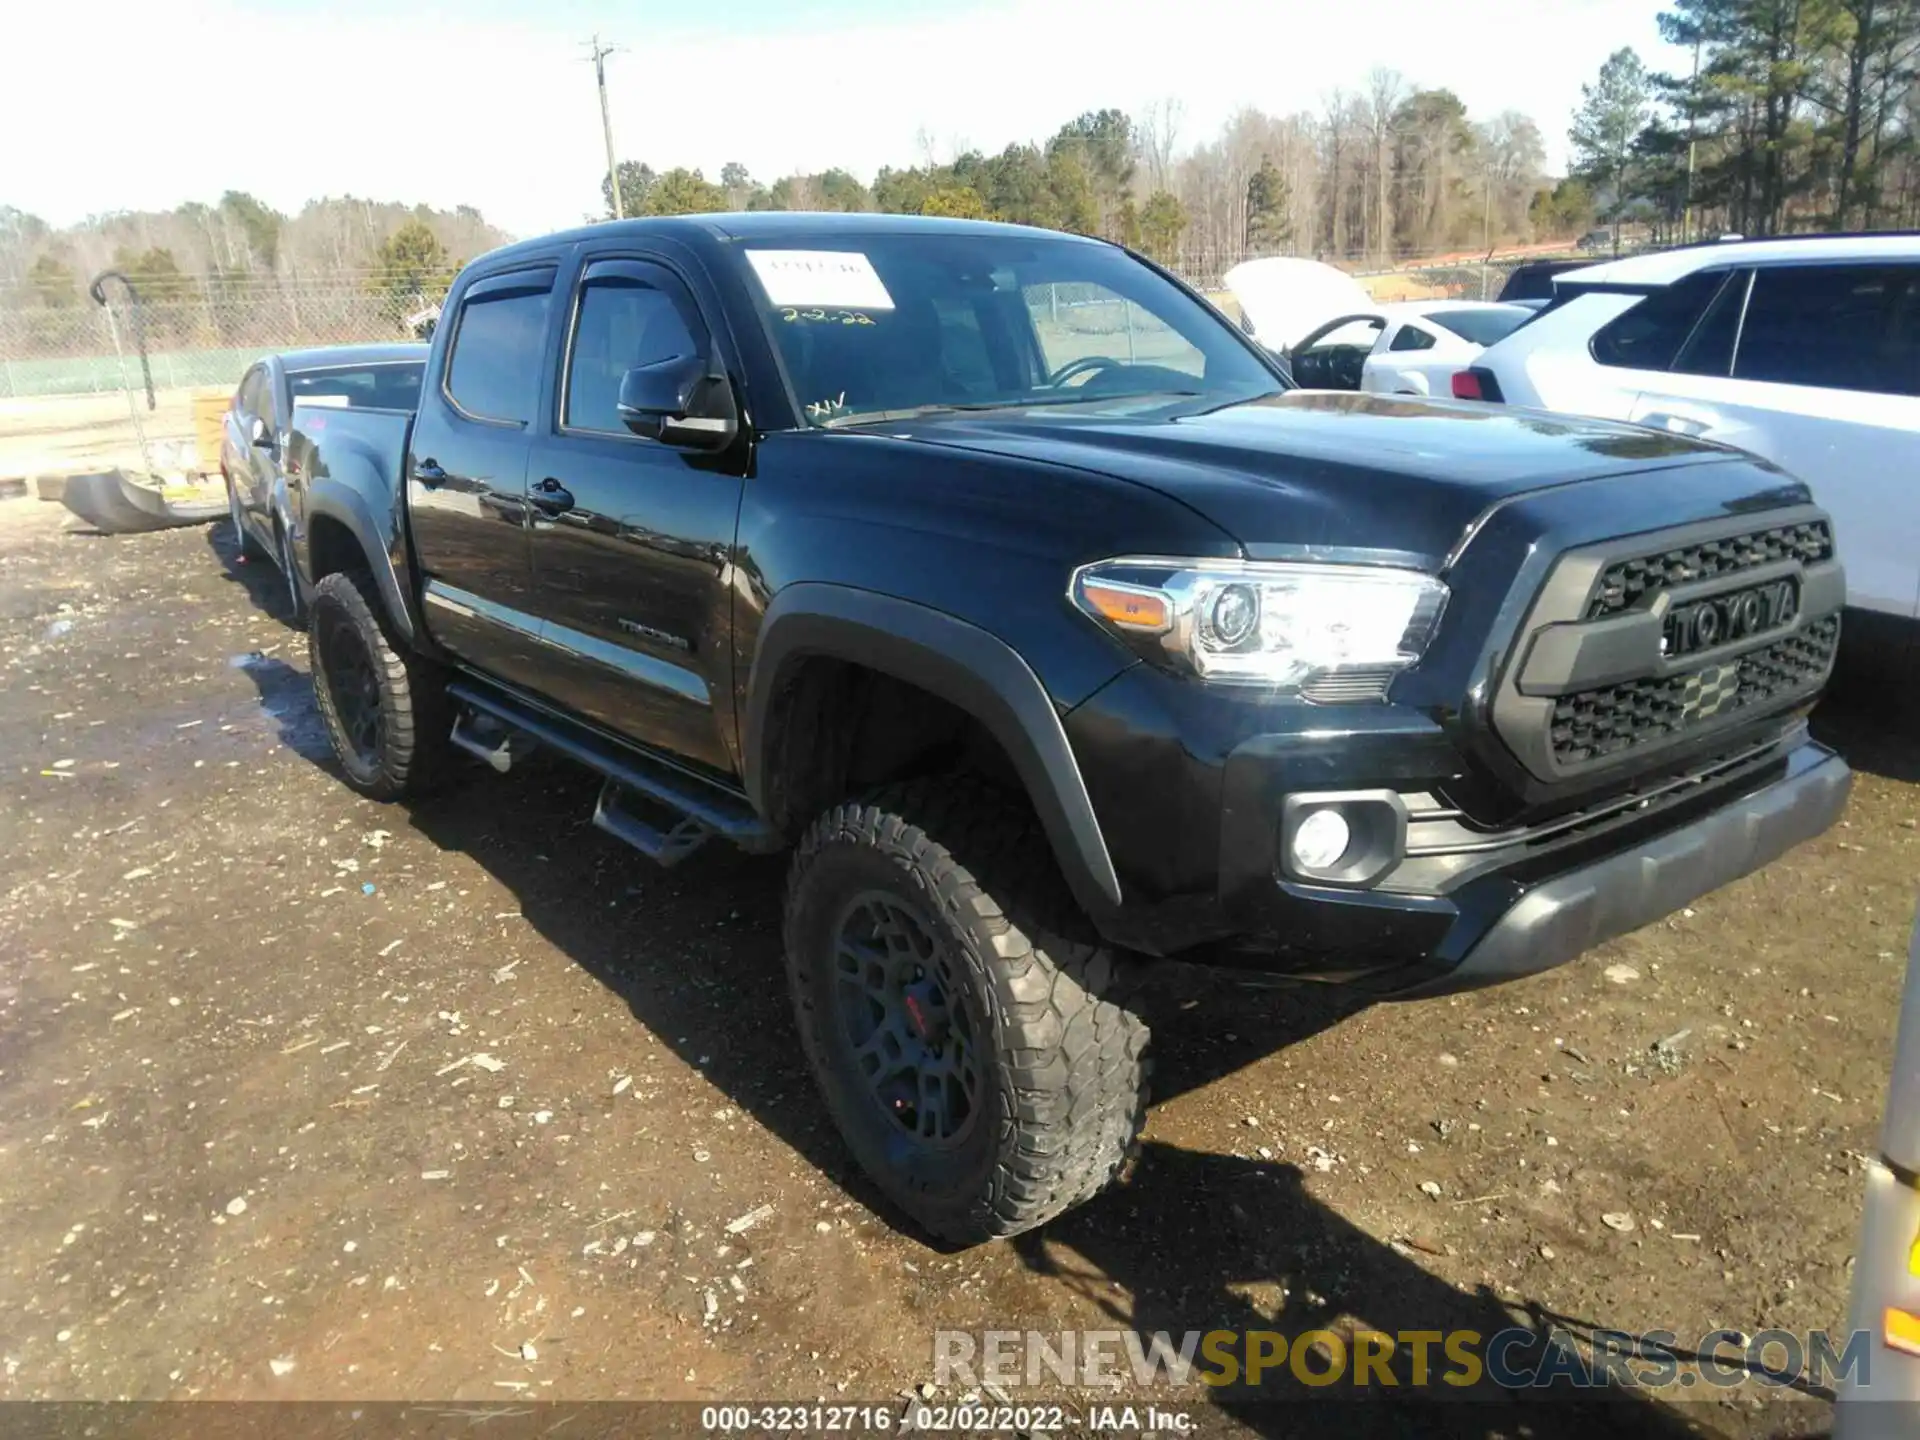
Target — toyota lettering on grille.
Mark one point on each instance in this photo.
(1737, 615)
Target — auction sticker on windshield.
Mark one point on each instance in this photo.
(820, 277)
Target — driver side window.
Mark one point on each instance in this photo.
(627, 318)
(1087, 321)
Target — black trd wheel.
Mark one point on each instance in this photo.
(386, 710)
(975, 1057)
(247, 545)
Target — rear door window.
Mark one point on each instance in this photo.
(495, 367)
(1838, 327)
(1709, 349)
(1650, 335)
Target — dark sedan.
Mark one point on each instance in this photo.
(262, 499)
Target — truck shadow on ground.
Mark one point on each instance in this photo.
(1206, 1242)
(1875, 727)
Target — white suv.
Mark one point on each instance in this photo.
(1804, 351)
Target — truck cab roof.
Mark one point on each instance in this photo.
(777, 225)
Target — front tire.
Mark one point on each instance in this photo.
(386, 709)
(977, 1059)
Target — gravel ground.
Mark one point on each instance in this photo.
(307, 1097)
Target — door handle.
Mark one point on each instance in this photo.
(550, 497)
(429, 473)
(1674, 424)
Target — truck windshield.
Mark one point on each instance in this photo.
(881, 324)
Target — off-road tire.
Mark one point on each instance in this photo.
(1063, 1089)
(411, 753)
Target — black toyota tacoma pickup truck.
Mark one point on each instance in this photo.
(1000, 578)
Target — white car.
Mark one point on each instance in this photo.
(1805, 351)
(1413, 347)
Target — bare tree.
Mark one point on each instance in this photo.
(1511, 157)
(1385, 90)
(1337, 144)
(1157, 128)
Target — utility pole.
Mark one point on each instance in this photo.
(600, 53)
(1486, 237)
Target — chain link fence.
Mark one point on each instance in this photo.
(205, 332)
(197, 332)
(1422, 277)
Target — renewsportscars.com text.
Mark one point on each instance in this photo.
(1512, 1359)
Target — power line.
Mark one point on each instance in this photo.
(600, 53)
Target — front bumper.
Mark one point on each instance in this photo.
(1569, 914)
(1193, 801)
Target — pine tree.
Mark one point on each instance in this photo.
(1613, 110)
(1269, 201)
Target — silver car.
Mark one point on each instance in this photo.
(263, 500)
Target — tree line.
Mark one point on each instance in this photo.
(1393, 171)
(1791, 115)
(240, 246)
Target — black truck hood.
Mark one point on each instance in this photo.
(1323, 469)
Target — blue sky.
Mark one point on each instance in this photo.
(491, 103)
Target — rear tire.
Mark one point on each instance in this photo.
(977, 1059)
(386, 709)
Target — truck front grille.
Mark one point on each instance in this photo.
(1593, 724)
(1625, 582)
(1650, 643)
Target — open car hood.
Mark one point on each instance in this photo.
(1286, 298)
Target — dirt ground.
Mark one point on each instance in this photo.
(307, 1097)
(67, 434)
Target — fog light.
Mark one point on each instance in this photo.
(1321, 839)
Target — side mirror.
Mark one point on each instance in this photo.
(261, 436)
(681, 401)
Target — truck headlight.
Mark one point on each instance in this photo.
(1283, 625)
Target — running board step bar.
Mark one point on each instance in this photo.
(666, 847)
(704, 809)
(488, 738)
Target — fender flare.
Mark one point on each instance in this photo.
(346, 505)
(962, 664)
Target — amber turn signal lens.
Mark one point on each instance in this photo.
(1900, 1330)
(1127, 607)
